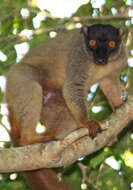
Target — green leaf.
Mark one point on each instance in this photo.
(84, 10)
(97, 160)
(71, 174)
(109, 4)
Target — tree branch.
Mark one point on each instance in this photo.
(90, 18)
(64, 26)
(67, 151)
(14, 12)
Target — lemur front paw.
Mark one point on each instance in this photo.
(93, 127)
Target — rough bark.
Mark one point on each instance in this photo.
(60, 153)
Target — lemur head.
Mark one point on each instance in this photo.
(102, 41)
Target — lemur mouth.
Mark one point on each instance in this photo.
(101, 61)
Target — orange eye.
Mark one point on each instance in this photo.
(92, 42)
(111, 44)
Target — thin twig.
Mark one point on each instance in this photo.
(8, 131)
(90, 18)
(85, 178)
(12, 14)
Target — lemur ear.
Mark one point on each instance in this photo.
(85, 29)
(121, 32)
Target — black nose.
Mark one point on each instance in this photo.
(100, 61)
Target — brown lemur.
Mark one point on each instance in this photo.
(51, 84)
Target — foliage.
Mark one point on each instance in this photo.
(100, 176)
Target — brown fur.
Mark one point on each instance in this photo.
(43, 87)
